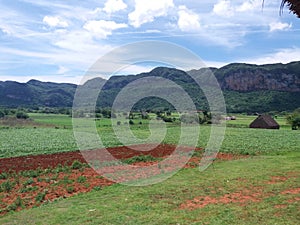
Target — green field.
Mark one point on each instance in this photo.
(273, 153)
(45, 140)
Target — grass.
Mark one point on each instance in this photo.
(31, 141)
(160, 203)
(278, 155)
(59, 120)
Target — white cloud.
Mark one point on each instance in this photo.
(55, 21)
(5, 29)
(223, 8)
(103, 28)
(188, 20)
(45, 78)
(278, 26)
(112, 6)
(146, 11)
(249, 5)
(62, 70)
(279, 56)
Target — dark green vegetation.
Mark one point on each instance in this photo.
(294, 119)
(247, 88)
(271, 191)
(36, 93)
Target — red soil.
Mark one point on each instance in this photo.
(241, 197)
(66, 158)
(66, 184)
(277, 179)
(294, 191)
(255, 194)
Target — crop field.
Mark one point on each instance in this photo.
(255, 178)
(28, 141)
(46, 140)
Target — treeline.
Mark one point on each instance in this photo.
(19, 114)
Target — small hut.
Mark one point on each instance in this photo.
(264, 122)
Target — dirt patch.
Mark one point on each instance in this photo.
(49, 177)
(241, 197)
(277, 179)
(255, 194)
(280, 206)
(66, 158)
(11, 122)
(293, 191)
(26, 192)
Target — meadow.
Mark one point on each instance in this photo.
(59, 138)
(262, 188)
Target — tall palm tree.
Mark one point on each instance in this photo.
(294, 6)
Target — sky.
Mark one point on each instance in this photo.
(59, 40)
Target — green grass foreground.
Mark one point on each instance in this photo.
(161, 203)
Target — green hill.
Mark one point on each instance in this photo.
(246, 87)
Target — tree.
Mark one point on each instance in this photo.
(2, 114)
(294, 119)
(293, 5)
(22, 115)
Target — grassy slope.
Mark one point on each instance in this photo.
(159, 204)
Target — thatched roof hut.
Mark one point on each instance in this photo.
(294, 6)
(264, 122)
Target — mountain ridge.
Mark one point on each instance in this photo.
(246, 87)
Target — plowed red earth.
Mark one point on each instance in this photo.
(65, 184)
(66, 158)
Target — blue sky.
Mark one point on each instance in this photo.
(59, 40)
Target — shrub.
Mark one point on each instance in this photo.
(294, 119)
(12, 207)
(40, 196)
(31, 173)
(81, 179)
(28, 189)
(7, 186)
(140, 158)
(18, 202)
(2, 114)
(29, 181)
(131, 122)
(97, 188)
(167, 119)
(22, 115)
(3, 176)
(66, 180)
(190, 118)
(76, 165)
(70, 189)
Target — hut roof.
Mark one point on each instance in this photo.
(264, 121)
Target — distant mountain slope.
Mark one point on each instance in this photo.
(36, 93)
(246, 87)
